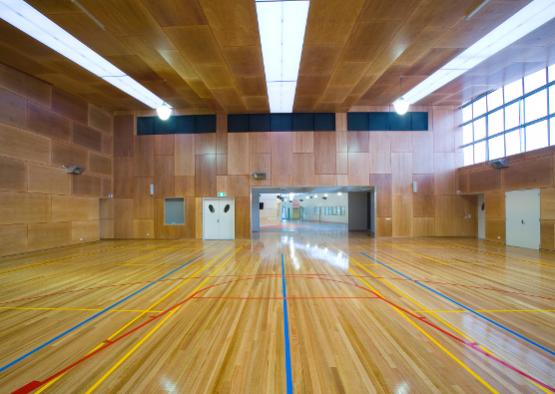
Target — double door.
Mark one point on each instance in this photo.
(218, 218)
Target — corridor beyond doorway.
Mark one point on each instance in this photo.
(316, 210)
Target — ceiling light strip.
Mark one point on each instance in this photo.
(282, 26)
(528, 19)
(27, 19)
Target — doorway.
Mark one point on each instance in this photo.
(218, 218)
(481, 217)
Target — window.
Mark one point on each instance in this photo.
(513, 90)
(479, 107)
(535, 106)
(535, 80)
(174, 211)
(479, 129)
(536, 136)
(518, 117)
(496, 147)
(468, 155)
(512, 115)
(552, 99)
(495, 122)
(495, 99)
(467, 113)
(480, 152)
(467, 134)
(512, 142)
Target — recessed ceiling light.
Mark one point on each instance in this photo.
(27, 19)
(528, 19)
(282, 26)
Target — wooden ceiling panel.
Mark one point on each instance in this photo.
(394, 45)
(330, 21)
(234, 22)
(206, 55)
(319, 59)
(244, 61)
(196, 43)
(174, 13)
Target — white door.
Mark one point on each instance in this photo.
(227, 219)
(218, 218)
(522, 218)
(481, 218)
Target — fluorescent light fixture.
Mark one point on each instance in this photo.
(528, 19)
(30, 21)
(282, 26)
(401, 106)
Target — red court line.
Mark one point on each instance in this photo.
(33, 385)
(288, 298)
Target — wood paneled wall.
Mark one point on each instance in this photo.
(526, 171)
(42, 128)
(196, 166)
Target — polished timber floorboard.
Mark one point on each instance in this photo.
(143, 317)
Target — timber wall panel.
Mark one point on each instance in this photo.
(528, 170)
(41, 129)
(200, 165)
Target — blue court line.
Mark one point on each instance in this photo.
(499, 325)
(288, 371)
(97, 314)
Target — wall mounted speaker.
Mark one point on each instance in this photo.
(499, 163)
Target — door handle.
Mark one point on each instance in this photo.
(522, 221)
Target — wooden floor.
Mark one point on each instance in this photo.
(360, 316)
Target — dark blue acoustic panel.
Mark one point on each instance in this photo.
(205, 123)
(378, 121)
(399, 122)
(259, 122)
(303, 122)
(357, 121)
(238, 123)
(324, 122)
(281, 122)
(179, 124)
(387, 121)
(419, 121)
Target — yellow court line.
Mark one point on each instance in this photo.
(138, 344)
(29, 308)
(398, 291)
(432, 339)
(487, 310)
(148, 310)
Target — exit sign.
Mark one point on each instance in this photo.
(221, 194)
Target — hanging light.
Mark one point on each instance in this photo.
(164, 111)
(401, 106)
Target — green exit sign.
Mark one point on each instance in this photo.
(221, 194)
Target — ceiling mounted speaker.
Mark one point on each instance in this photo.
(259, 176)
(499, 163)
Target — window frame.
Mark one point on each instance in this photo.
(522, 124)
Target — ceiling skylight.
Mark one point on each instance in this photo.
(27, 19)
(282, 26)
(528, 19)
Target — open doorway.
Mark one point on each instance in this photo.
(322, 209)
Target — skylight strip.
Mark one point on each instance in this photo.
(27, 19)
(528, 19)
(282, 26)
